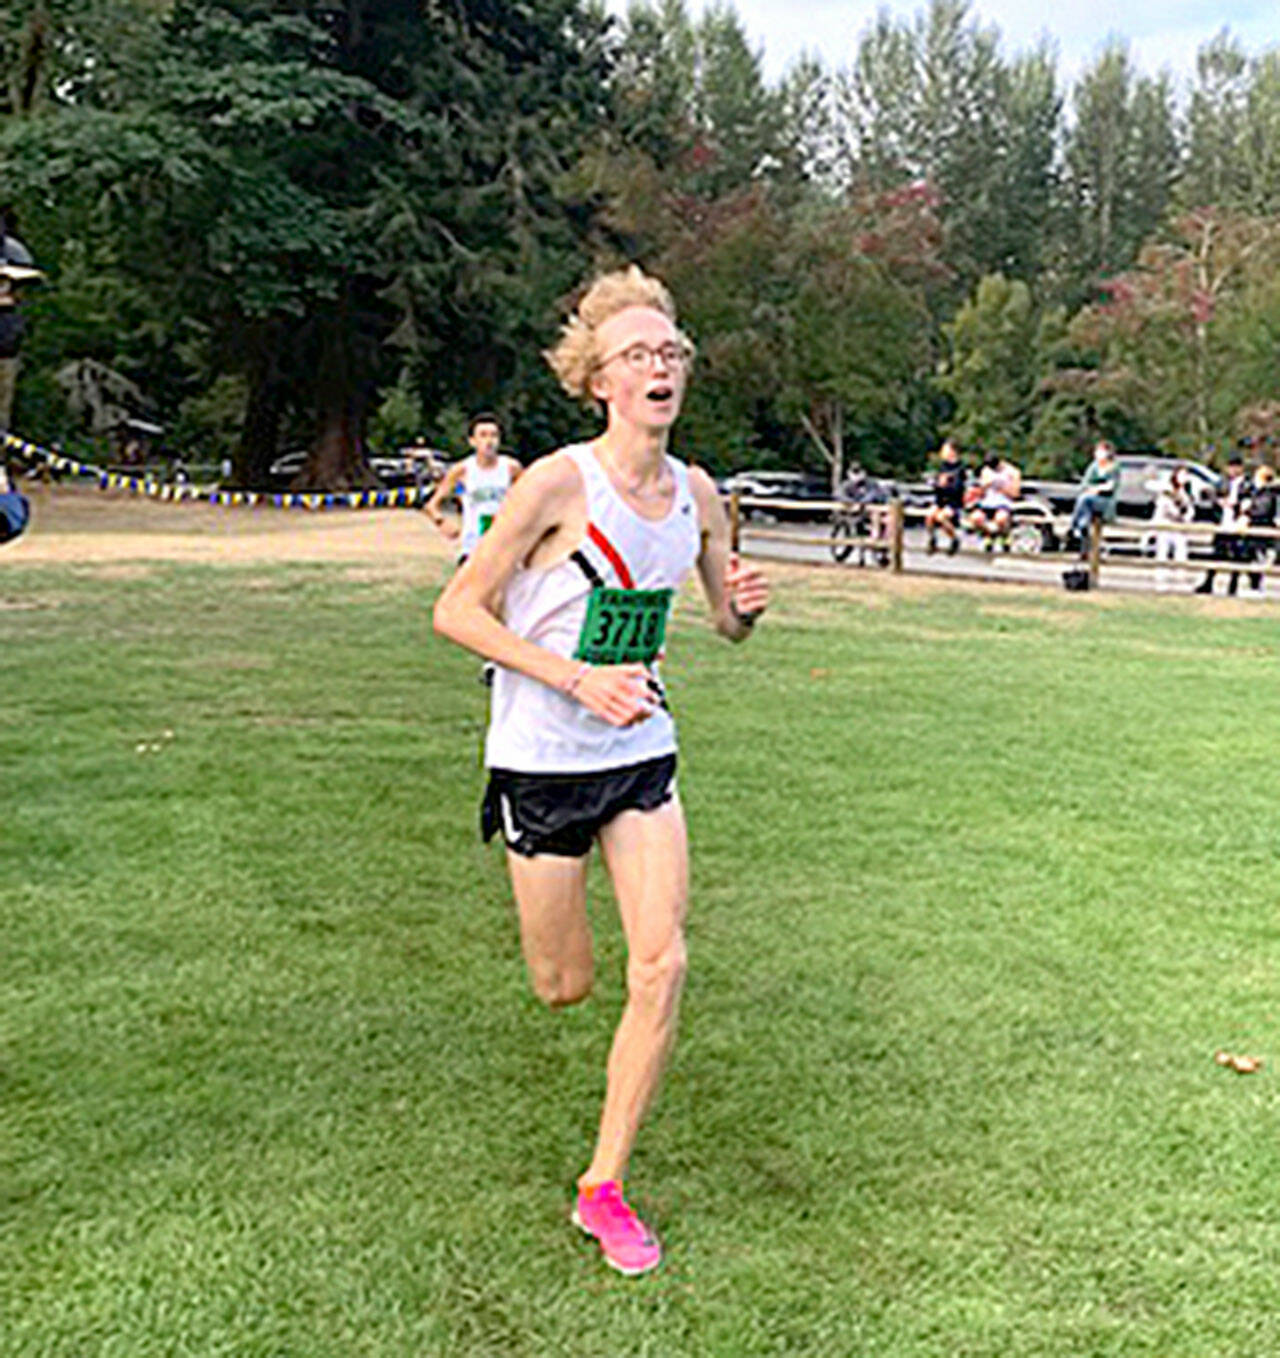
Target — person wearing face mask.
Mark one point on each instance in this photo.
(569, 595)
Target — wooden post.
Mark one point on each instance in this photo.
(735, 521)
(897, 521)
(1095, 551)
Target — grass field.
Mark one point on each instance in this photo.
(982, 880)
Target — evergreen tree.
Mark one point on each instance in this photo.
(1122, 160)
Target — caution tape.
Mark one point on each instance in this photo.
(404, 497)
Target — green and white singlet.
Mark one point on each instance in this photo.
(608, 602)
(483, 490)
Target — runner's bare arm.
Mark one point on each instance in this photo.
(517, 469)
(469, 610)
(448, 484)
(736, 592)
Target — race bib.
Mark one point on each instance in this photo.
(623, 626)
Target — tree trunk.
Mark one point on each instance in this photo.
(29, 83)
(1200, 352)
(837, 447)
(811, 428)
(337, 458)
(260, 432)
(336, 462)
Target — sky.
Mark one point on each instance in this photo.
(1161, 33)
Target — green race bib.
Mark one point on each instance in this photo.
(623, 626)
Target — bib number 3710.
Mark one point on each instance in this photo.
(623, 626)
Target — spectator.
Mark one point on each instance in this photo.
(1000, 486)
(868, 499)
(15, 509)
(1096, 501)
(1228, 545)
(1173, 505)
(11, 331)
(1261, 510)
(948, 498)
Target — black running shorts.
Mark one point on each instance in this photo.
(561, 813)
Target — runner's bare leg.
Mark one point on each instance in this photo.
(551, 899)
(647, 855)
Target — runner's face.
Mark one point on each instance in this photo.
(647, 396)
(484, 440)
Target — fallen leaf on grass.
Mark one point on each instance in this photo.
(1242, 1065)
(818, 674)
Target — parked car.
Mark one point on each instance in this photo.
(424, 465)
(392, 470)
(283, 471)
(773, 495)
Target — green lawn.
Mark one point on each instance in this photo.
(982, 880)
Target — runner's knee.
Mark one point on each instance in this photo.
(558, 986)
(655, 982)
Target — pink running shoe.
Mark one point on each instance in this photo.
(627, 1243)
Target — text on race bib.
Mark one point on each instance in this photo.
(624, 626)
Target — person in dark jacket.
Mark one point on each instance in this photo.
(948, 498)
(1261, 509)
(1233, 491)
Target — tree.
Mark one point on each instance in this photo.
(1122, 159)
(328, 193)
(1216, 171)
(1262, 136)
(935, 101)
(1169, 335)
(855, 333)
(991, 369)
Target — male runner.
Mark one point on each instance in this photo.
(570, 595)
(481, 480)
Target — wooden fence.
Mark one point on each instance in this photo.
(889, 521)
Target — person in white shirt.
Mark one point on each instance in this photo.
(1173, 505)
(569, 594)
(1000, 483)
(480, 481)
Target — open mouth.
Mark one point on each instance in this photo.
(660, 394)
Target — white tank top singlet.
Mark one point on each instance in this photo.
(579, 607)
(483, 491)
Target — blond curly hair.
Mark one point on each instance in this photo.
(576, 354)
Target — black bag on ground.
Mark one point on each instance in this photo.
(1077, 578)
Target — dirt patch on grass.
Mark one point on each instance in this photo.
(28, 605)
(113, 532)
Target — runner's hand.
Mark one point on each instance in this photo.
(621, 694)
(745, 586)
(449, 529)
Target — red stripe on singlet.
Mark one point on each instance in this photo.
(611, 554)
